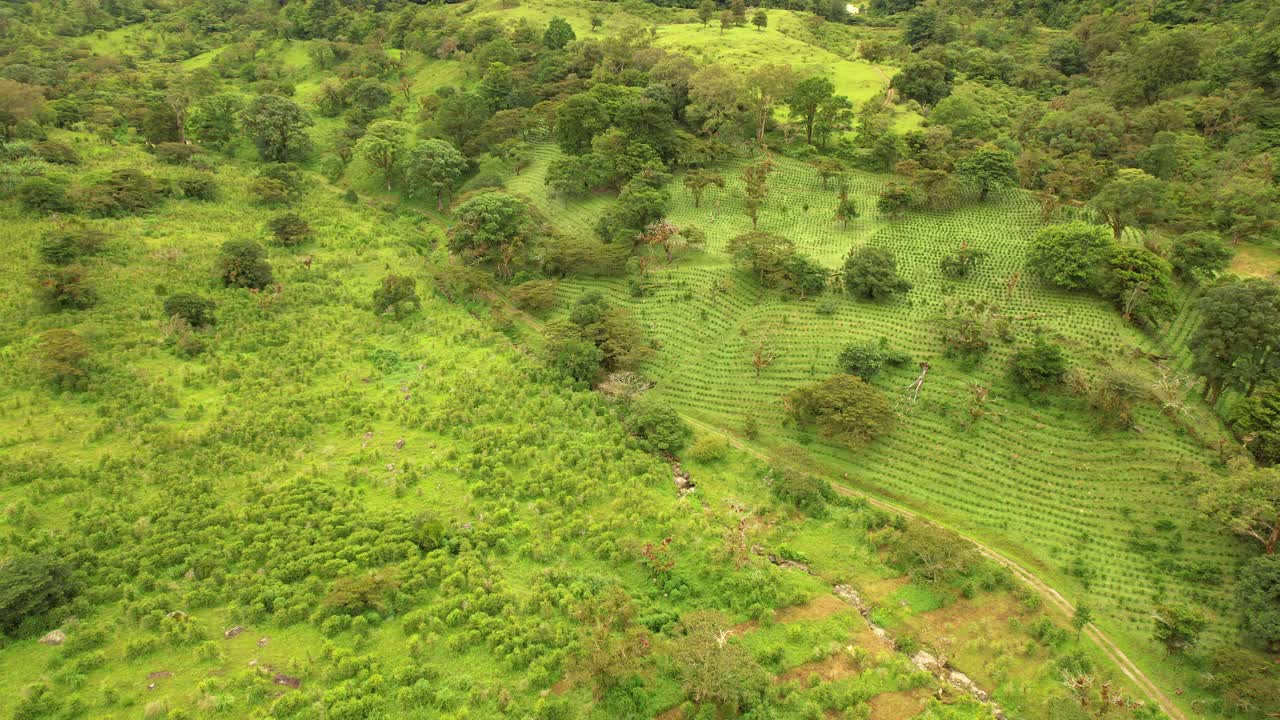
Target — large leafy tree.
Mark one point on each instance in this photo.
(1132, 198)
(1237, 343)
(766, 86)
(872, 273)
(1139, 281)
(1199, 256)
(987, 169)
(493, 227)
(30, 586)
(1256, 419)
(1259, 592)
(1246, 501)
(383, 147)
(433, 166)
(714, 668)
(277, 126)
(558, 33)
(844, 407)
(1069, 255)
(805, 99)
(578, 120)
(925, 81)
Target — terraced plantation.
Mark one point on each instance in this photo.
(636, 359)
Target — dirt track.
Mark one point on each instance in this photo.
(1053, 597)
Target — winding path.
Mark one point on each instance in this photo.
(1052, 596)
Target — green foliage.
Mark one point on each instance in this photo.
(962, 263)
(31, 586)
(1257, 420)
(658, 426)
(1038, 367)
(866, 359)
(987, 169)
(1198, 257)
(277, 126)
(925, 81)
(872, 273)
(708, 448)
(491, 227)
(1259, 594)
(63, 358)
(435, 166)
(1232, 345)
(1069, 256)
(66, 288)
(243, 263)
(1140, 284)
(289, 229)
(931, 554)
(558, 33)
(195, 310)
(43, 196)
(126, 192)
(810, 495)
(66, 244)
(397, 295)
(844, 407)
(1178, 626)
(534, 295)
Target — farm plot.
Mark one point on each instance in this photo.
(1041, 480)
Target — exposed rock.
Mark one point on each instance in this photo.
(56, 637)
(684, 485)
(293, 682)
(926, 662)
(851, 596)
(179, 616)
(262, 642)
(232, 632)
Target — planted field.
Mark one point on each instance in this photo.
(1105, 514)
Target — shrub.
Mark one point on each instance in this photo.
(1039, 367)
(196, 187)
(125, 192)
(708, 448)
(173, 153)
(397, 295)
(1069, 256)
(355, 595)
(658, 427)
(534, 295)
(195, 310)
(57, 152)
(64, 245)
(62, 357)
(243, 263)
(42, 196)
(289, 229)
(30, 586)
(1258, 417)
(269, 191)
(867, 358)
(872, 273)
(809, 494)
(66, 288)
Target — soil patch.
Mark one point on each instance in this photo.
(898, 705)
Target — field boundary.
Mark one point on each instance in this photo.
(1046, 591)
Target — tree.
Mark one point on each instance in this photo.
(494, 227)
(31, 585)
(277, 126)
(578, 120)
(66, 244)
(766, 86)
(846, 209)
(19, 103)
(844, 407)
(63, 358)
(213, 122)
(435, 166)
(1245, 207)
(760, 19)
(243, 263)
(42, 196)
(925, 81)
(931, 554)
(1245, 501)
(866, 359)
(755, 184)
(289, 229)
(461, 116)
(715, 92)
(611, 330)
(1132, 198)
(988, 168)
(805, 99)
(713, 667)
(961, 263)
(194, 310)
(638, 206)
(575, 357)
(382, 146)
(1258, 589)
(1066, 55)
(1199, 256)
(397, 295)
(835, 114)
(659, 427)
(697, 181)
(1039, 366)
(967, 326)
(1256, 419)
(1081, 617)
(558, 33)
(1069, 255)
(872, 273)
(763, 252)
(706, 11)
(1178, 626)
(66, 288)
(1139, 282)
(1237, 343)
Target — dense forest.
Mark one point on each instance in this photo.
(554, 359)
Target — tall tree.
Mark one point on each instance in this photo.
(988, 168)
(1133, 198)
(558, 34)
(806, 98)
(383, 147)
(1237, 343)
(277, 125)
(766, 86)
(494, 227)
(435, 166)
(755, 185)
(697, 182)
(872, 272)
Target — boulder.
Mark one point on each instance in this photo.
(56, 637)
